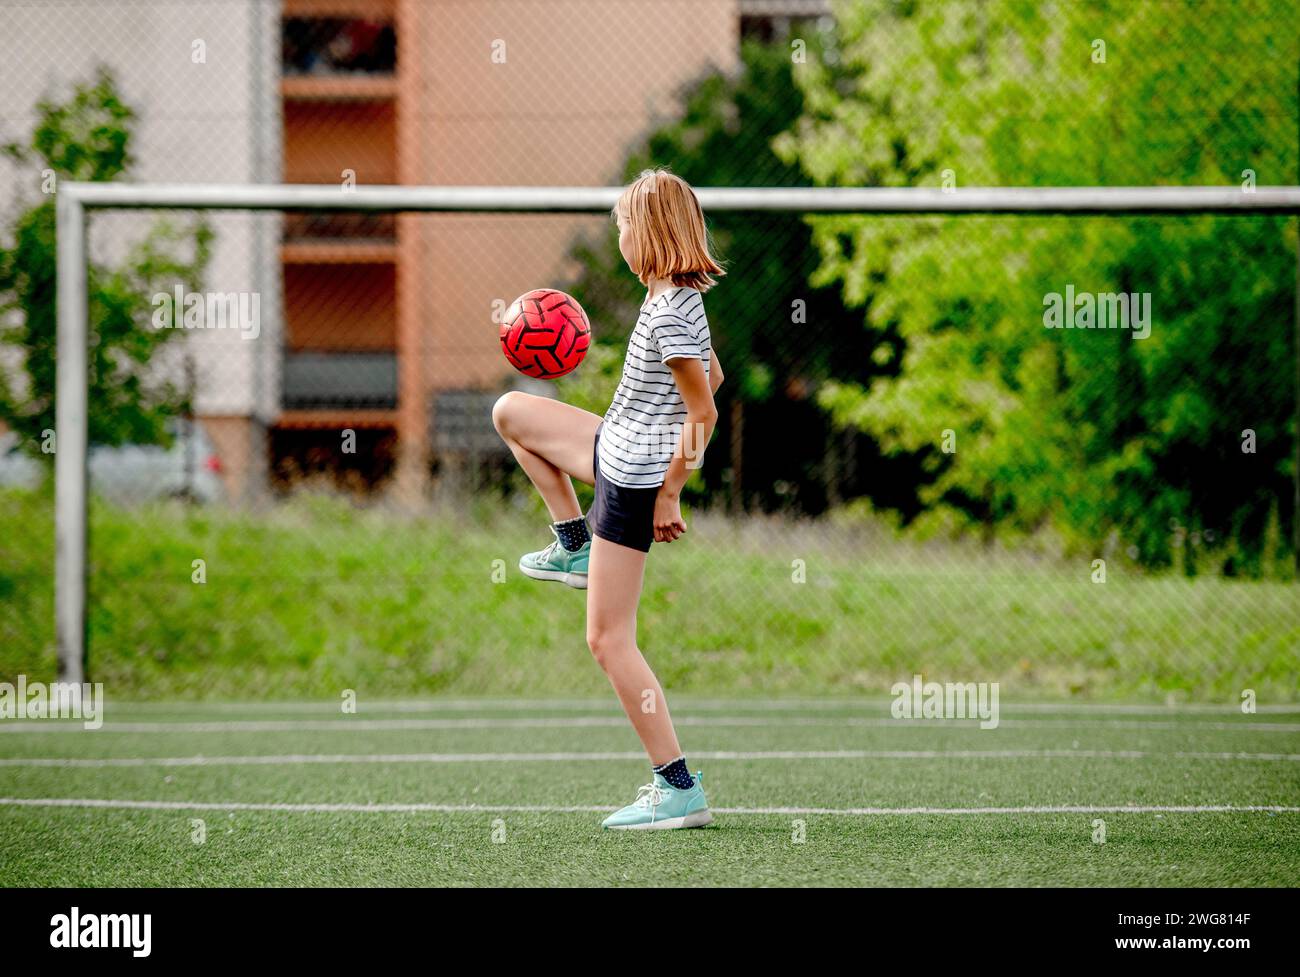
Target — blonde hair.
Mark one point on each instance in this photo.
(668, 232)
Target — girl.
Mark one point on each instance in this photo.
(637, 458)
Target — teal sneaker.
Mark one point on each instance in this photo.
(557, 563)
(661, 806)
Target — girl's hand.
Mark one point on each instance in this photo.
(668, 517)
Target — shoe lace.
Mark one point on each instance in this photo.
(650, 795)
(546, 554)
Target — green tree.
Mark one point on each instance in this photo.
(1109, 439)
(88, 138)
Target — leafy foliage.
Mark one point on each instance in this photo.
(1114, 441)
(87, 138)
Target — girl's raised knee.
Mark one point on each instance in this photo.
(506, 409)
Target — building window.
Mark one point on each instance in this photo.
(776, 21)
(337, 46)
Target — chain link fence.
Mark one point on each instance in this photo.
(1053, 452)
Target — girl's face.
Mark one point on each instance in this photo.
(625, 244)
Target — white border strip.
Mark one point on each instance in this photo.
(77, 802)
(346, 724)
(295, 759)
(684, 703)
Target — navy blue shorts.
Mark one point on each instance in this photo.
(621, 515)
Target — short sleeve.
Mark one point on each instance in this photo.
(674, 336)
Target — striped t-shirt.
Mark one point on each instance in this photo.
(644, 423)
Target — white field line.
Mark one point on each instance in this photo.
(293, 759)
(557, 809)
(575, 722)
(827, 704)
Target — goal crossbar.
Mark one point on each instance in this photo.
(864, 200)
(74, 199)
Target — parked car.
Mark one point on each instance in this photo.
(188, 469)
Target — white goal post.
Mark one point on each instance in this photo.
(75, 199)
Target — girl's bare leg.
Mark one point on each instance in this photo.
(613, 592)
(551, 441)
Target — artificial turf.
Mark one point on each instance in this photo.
(463, 755)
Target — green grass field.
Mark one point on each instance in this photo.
(412, 793)
(315, 596)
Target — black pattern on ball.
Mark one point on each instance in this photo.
(545, 334)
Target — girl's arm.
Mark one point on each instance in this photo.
(716, 375)
(701, 417)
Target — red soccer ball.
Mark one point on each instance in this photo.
(545, 334)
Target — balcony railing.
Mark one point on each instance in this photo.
(316, 380)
